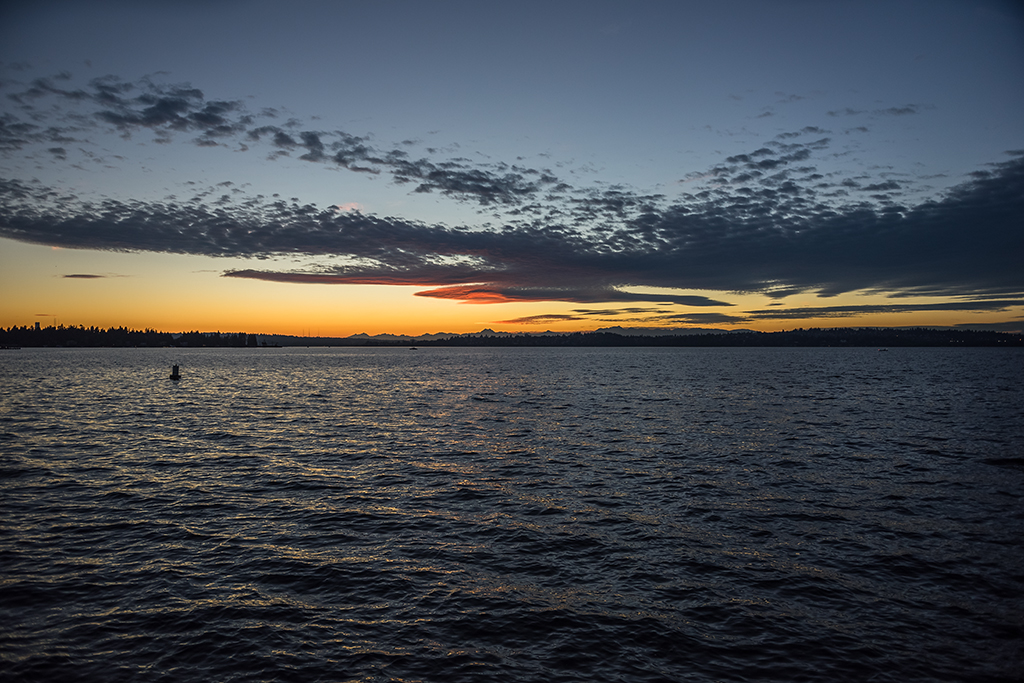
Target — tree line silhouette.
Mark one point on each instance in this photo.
(72, 336)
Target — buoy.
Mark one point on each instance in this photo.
(174, 373)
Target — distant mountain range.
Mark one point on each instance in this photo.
(363, 339)
(634, 336)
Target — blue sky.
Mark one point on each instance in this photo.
(650, 164)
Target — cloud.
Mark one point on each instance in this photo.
(166, 110)
(762, 221)
(614, 311)
(493, 294)
(647, 316)
(479, 293)
(905, 110)
(662, 318)
(845, 112)
(779, 238)
(706, 318)
(540, 319)
(83, 276)
(864, 309)
(900, 111)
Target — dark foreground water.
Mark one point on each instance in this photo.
(512, 515)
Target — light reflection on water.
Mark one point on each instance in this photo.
(512, 514)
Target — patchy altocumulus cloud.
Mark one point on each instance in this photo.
(167, 110)
(764, 221)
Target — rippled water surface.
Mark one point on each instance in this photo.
(512, 515)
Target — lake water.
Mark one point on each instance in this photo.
(512, 515)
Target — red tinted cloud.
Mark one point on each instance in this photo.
(480, 294)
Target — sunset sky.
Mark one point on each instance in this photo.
(330, 168)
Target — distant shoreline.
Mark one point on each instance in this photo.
(82, 337)
(834, 337)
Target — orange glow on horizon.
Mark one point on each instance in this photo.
(174, 293)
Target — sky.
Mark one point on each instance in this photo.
(333, 168)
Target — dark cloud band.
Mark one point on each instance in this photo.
(968, 243)
(765, 221)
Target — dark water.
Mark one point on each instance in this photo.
(512, 515)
